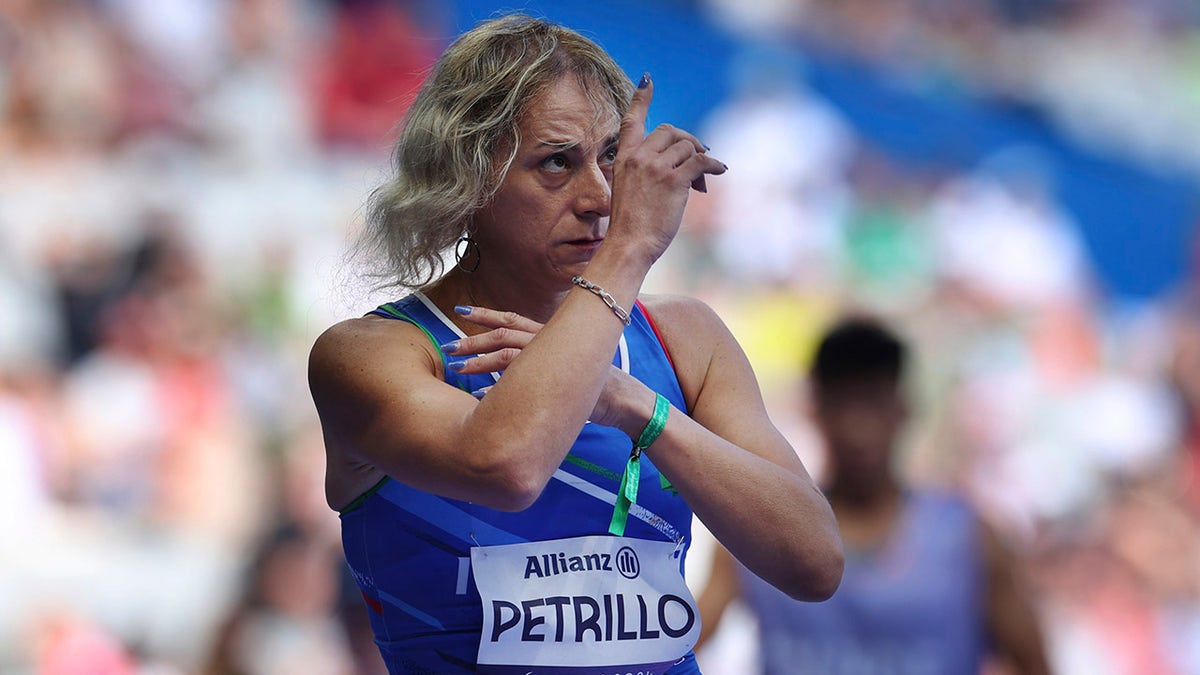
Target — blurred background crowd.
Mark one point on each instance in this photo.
(1014, 184)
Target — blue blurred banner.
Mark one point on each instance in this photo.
(1137, 221)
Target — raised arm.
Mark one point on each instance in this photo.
(734, 468)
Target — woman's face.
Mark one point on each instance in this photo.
(551, 211)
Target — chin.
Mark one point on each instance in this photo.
(572, 266)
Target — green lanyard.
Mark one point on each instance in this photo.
(631, 477)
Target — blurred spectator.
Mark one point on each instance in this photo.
(71, 645)
(254, 115)
(1000, 236)
(888, 247)
(284, 622)
(1184, 375)
(377, 59)
(1119, 588)
(777, 218)
(28, 426)
(61, 81)
(929, 587)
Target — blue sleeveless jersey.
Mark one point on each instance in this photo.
(409, 550)
(913, 607)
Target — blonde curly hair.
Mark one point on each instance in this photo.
(460, 136)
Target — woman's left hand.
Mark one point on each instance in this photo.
(494, 350)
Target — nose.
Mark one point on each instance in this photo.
(593, 192)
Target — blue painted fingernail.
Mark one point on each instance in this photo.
(645, 81)
(706, 146)
(462, 309)
(457, 366)
(725, 166)
(478, 393)
(450, 347)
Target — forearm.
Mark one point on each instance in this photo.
(531, 417)
(771, 518)
(1012, 622)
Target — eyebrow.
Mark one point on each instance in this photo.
(571, 145)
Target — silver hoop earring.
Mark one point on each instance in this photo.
(467, 248)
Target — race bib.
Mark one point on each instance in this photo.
(597, 605)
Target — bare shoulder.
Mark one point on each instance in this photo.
(679, 316)
(352, 371)
(361, 330)
(693, 334)
(677, 307)
(357, 365)
(355, 347)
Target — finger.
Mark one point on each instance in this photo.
(493, 340)
(680, 151)
(678, 154)
(665, 135)
(491, 318)
(633, 123)
(492, 362)
(697, 166)
(683, 152)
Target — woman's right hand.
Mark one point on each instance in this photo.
(652, 176)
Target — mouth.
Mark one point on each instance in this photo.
(586, 243)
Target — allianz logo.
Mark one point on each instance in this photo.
(625, 562)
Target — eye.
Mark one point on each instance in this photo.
(610, 155)
(556, 163)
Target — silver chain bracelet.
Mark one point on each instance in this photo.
(603, 295)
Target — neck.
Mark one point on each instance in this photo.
(861, 495)
(866, 517)
(478, 290)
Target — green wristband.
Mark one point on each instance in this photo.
(657, 422)
(631, 477)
